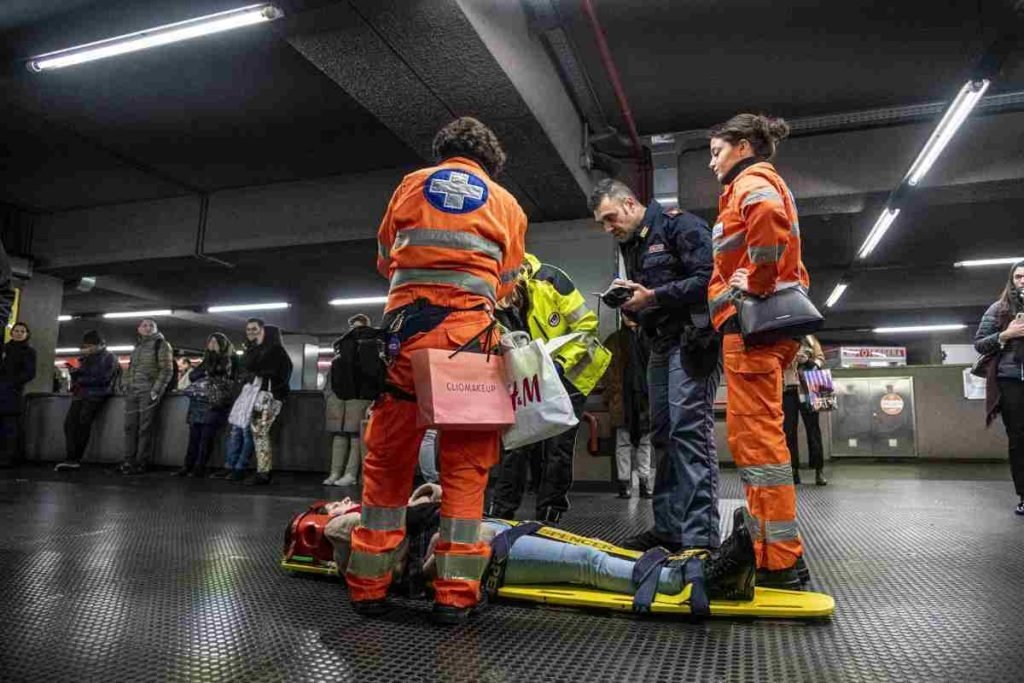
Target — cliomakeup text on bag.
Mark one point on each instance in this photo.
(468, 388)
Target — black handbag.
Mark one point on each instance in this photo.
(787, 314)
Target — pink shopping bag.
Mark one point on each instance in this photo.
(462, 392)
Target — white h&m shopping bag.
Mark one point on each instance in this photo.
(541, 403)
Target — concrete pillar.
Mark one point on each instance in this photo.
(39, 306)
(304, 350)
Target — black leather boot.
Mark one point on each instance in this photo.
(624, 491)
(730, 570)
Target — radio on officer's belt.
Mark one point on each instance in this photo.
(615, 295)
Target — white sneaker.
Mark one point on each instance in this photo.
(347, 480)
(330, 481)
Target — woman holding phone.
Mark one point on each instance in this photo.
(1000, 336)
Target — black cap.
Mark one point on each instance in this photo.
(93, 338)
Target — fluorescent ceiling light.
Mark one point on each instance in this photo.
(64, 318)
(359, 300)
(247, 307)
(836, 294)
(326, 350)
(155, 37)
(138, 314)
(951, 121)
(918, 328)
(67, 350)
(988, 262)
(116, 349)
(878, 231)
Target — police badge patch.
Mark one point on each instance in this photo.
(554, 320)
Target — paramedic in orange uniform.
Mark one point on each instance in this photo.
(450, 243)
(757, 251)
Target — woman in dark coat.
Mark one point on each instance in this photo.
(1000, 338)
(273, 367)
(17, 369)
(210, 394)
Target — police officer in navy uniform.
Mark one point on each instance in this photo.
(668, 257)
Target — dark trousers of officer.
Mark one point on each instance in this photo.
(683, 435)
(556, 456)
(78, 426)
(793, 409)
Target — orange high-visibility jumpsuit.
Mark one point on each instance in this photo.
(453, 237)
(758, 229)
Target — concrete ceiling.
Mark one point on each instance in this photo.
(275, 148)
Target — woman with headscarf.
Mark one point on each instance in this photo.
(209, 391)
(1000, 338)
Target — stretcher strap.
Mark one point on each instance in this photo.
(646, 573)
(693, 574)
(501, 546)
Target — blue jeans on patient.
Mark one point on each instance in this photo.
(537, 560)
(240, 447)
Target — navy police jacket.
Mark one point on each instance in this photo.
(671, 253)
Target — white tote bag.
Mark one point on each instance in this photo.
(541, 403)
(241, 411)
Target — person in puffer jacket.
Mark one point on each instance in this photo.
(150, 371)
(92, 383)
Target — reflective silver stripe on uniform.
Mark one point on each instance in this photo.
(764, 194)
(383, 251)
(794, 228)
(781, 531)
(462, 567)
(769, 254)
(460, 530)
(719, 302)
(731, 243)
(585, 361)
(447, 239)
(455, 278)
(382, 519)
(576, 315)
(767, 475)
(369, 565)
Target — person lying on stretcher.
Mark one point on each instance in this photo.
(728, 573)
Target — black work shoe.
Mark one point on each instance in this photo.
(130, 470)
(548, 515)
(447, 615)
(180, 472)
(819, 478)
(730, 570)
(624, 492)
(67, 465)
(371, 608)
(258, 479)
(650, 539)
(236, 475)
(197, 473)
(802, 571)
(219, 474)
(786, 579)
(645, 491)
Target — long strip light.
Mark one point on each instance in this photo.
(65, 318)
(836, 294)
(918, 328)
(359, 301)
(881, 226)
(234, 308)
(138, 314)
(979, 263)
(954, 117)
(121, 349)
(157, 36)
(73, 350)
(67, 350)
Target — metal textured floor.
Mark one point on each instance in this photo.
(154, 579)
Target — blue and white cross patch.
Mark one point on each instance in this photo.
(455, 191)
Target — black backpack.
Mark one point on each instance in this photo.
(358, 371)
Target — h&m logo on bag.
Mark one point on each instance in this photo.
(529, 394)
